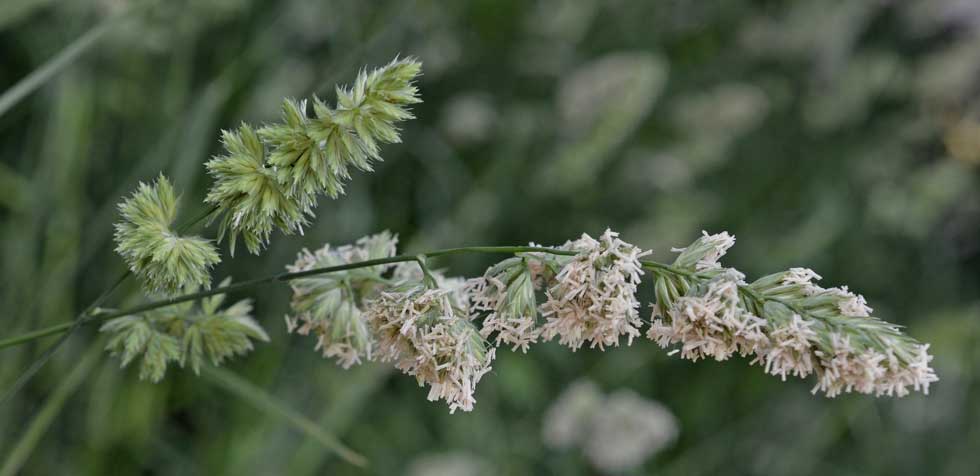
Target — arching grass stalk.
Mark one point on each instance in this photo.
(365, 301)
(103, 315)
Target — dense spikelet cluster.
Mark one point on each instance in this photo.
(593, 298)
(187, 334)
(330, 305)
(789, 324)
(160, 257)
(709, 321)
(426, 335)
(444, 331)
(616, 432)
(249, 195)
(506, 293)
(271, 178)
(831, 333)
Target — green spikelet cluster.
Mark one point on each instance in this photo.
(247, 190)
(187, 334)
(272, 177)
(159, 256)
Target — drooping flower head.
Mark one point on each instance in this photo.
(164, 261)
(506, 293)
(330, 305)
(187, 333)
(423, 332)
(248, 195)
(789, 324)
(830, 332)
(593, 298)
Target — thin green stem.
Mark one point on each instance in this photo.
(55, 65)
(89, 316)
(68, 328)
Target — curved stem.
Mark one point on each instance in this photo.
(68, 328)
(284, 277)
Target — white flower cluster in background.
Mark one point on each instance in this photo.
(616, 432)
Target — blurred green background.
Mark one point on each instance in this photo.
(842, 135)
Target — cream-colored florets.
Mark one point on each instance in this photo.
(705, 253)
(425, 335)
(594, 296)
(790, 352)
(329, 305)
(506, 294)
(711, 322)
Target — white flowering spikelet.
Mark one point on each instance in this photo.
(627, 430)
(329, 305)
(791, 338)
(426, 334)
(830, 332)
(705, 252)
(710, 322)
(593, 298)
(506, 292)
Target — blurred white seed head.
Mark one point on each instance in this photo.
(628, 430)
(616, 432)
(567, 421)
(451, 463)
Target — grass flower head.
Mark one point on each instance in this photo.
(164, 261)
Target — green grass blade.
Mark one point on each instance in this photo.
(52, 407)
(53, 66)
(265, 402)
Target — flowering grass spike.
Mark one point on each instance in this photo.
(248, 194)
(186, 334)
(314, 155)
(593, 298)
(163, 260)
